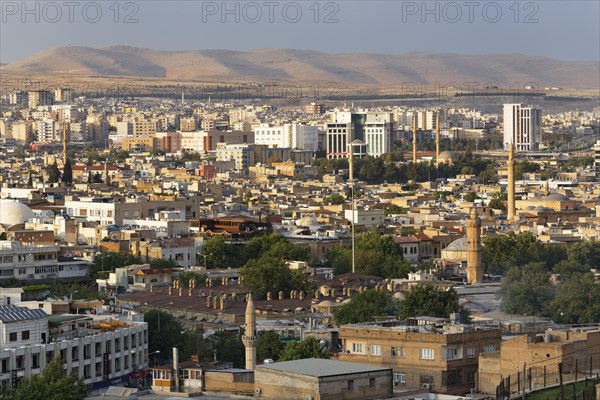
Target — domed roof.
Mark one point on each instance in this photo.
(446, 156)
(458, 245)
(556, 197)
(309, 220)
(399, 296)
(326, 303)
(14, 213)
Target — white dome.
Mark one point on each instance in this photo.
(13, 213)
(309, 220)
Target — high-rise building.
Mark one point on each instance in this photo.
(373, 128)
(522, 126)
(40, 98)
(293, 136)
(597, 160)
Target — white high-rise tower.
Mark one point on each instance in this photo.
(522, 127)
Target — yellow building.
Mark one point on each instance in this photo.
(431, 355)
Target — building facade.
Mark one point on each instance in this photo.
(437, 357)
(522, 127)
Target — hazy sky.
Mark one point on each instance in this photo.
(568, 30)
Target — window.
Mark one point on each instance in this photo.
(470, 352)
(350, 384)
(357, 348)
(397, 351)
(471, 377)
(489, 348)
(426, 354)
(375, 350)
(372, 383)
(12, 337)
(453, 353)
(25, 335)
(399, 377)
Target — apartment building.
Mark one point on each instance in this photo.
(373, 128)
(522, 127)
(40, 98)
(432, 354)
(39, 263)
(294, 136)
(99, 350)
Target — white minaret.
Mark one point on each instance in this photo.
(250, 339)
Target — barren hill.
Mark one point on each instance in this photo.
(260, 65)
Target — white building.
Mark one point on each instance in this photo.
(366, 218)
(293, 136)
(99, 356)
(34, 263)
(522, 126)
(374, 128)
(46, 130)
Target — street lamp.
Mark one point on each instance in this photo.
(148, 367)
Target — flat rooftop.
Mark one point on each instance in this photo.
(320, 368)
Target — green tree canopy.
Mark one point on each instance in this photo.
(217, 253)
(433, 302)
(577, 301)
(271, 274)
(526, 290)
(164, 332)
(307, 348)
(269, 346)
(53, 173)
(108, 261)
(365, 307)
(67, 175)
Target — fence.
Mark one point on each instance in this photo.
(539, 377)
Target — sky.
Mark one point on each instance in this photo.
(566, 30)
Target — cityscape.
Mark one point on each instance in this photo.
(283, 218)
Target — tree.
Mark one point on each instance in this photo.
(431, 301)
(228, 347)
(53, 173)
(526, 290)
(162, 263)
(335, 198)
(108, 261)
(471, 197)
(273, 245)
(217, 253)
(164, 332)
(394, 209)
(271, 274)
(307, 348)
(67, 176)
(577, 301)
(52, 384)
(365, 307)
(97, 178)
(185, 277)
(269, 346)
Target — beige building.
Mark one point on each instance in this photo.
(319, 379)
(540, 355)
(431, 355)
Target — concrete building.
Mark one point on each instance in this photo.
(431, 355)
(596, 160)
(46, 130)
(40, 98)
(294, 136)
(373, 128)
(522, 127)
(540, 355)
(366, 218)
(100, 351)
(39, 263)
(319, 379)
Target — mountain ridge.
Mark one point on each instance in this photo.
(506, 70)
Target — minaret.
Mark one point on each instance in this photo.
(437, 138)
(511, 182)
(415, 137)
(106, 177)
(474, 265)
(249, 339)
(547, 189)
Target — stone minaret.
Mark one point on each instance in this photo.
(511, 182)
(250, 339)
(106, 177)
(437, 138)
(474, 265)
(415, 137)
